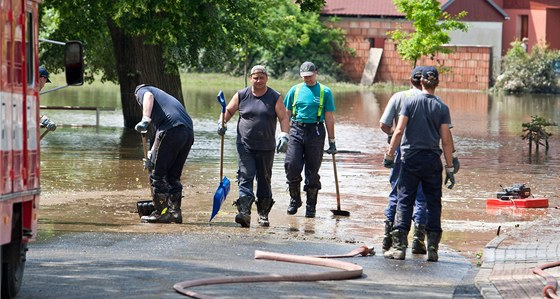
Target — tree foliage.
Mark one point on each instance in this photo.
(431, 29)
(528, 73)
(148, 41)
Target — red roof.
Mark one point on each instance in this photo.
(360, 8)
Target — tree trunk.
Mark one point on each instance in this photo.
(138, 63)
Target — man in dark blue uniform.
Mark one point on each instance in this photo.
(174, 138)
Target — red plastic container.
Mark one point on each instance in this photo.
(518, 202)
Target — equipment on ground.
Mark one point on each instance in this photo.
(146, 207)
(223, 188)
(338, 211)
(518, 196)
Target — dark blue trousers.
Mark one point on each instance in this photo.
(305, 148)
(170, 151)
(253, 164)
(425, 168)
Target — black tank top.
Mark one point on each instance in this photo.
(256, 127)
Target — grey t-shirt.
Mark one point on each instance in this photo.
(391, 114)
(426, 113)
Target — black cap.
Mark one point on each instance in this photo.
(44, 73)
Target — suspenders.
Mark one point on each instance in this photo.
(321, 101)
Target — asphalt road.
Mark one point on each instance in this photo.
(147, 265)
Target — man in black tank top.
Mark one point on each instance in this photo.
(259, 108)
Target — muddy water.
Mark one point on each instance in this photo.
(92, 177)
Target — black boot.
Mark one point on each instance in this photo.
(418, 245)
(161, 213)
(400, 242)
(295, 198)
(311, 202)
(175, 207)
(263, 208)
(244, 204)
(387, 237)
(433, 245)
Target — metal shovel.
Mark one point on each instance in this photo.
(338, 211)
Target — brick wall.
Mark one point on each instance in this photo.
(469, 67)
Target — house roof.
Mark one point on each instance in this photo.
(361, 8)
(381, 8)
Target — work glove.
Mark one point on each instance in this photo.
(282, 142)
(142, 126)
(47, 123)
(222, 128)
(332, 147)
(450, 176)
(389, 161)
(456, 164)
(148, 164)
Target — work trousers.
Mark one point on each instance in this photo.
(419, 215)
(254, 163)
(425, 168)
(305, 149)
(169, 153)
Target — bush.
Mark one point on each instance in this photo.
(528, 73)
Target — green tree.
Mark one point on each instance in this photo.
(148, 41)
(431, 29)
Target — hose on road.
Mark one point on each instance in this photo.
(549, 290)
(347, 271)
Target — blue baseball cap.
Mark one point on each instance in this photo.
(44, 73)
(430, 73)
(416, 72)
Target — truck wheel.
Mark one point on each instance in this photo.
(13, 264)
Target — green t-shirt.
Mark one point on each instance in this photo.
(308, 101)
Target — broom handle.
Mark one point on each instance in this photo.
(336, 183)
(222, 149)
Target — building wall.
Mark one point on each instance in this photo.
(468, 68)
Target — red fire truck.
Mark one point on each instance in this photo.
(19, 133)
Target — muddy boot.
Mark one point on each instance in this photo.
(263, 208)
(418, 245)
(161, 213)
(433, 245)
(311, 202)
(175, 207)
(243, 204)
(400, 242)
(387, 237)
(295, 198)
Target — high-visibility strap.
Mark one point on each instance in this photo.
(321, 101)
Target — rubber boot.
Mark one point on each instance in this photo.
(263, 208)
(418, 244)
(244, 204)
(387, 237)
(295, 198)
(400, 242)
(175, 207)
(311, 202)
(161, 213)
(433, 245)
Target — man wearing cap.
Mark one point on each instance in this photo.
(43, 79)
(260, 107)
(424, 121)
(171, 147)
(310, 106)
(391, 116)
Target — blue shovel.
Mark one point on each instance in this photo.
(223, 189)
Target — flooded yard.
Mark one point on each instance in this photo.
(92, 177)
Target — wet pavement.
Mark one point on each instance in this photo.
(90, 239)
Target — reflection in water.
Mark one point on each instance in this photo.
(486, 131)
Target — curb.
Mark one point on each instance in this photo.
(482, 280)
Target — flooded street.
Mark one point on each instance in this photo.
(92, 177)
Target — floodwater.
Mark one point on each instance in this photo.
(92, 177)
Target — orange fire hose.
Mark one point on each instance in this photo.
(549, 290)
(348, 271)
